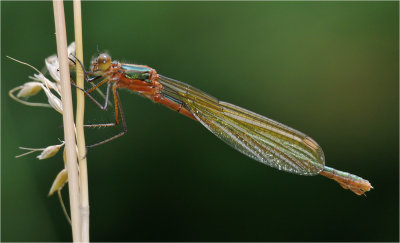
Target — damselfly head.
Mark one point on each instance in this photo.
(101, 63)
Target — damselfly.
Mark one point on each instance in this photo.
(256, 136)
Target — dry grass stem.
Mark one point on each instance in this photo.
(80, 108)
(68, 119)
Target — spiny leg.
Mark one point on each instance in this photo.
(117, 106)
(89, 80)
(80, 63)
(98, 104)
(87, 93)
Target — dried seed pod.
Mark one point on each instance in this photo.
(49, 151)
(29, 89)
(59, 182)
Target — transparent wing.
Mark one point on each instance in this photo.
(256, 136)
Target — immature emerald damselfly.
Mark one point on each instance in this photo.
(256, 136)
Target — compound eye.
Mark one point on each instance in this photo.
(103, 61)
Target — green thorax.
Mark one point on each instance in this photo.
(136, 72)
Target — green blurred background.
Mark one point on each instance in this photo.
(328, 69)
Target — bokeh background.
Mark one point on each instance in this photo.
(328, 69)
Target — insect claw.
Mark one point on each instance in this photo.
(71, 59)
(80, 63)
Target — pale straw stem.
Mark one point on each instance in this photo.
(80, 108)
(68, 119)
